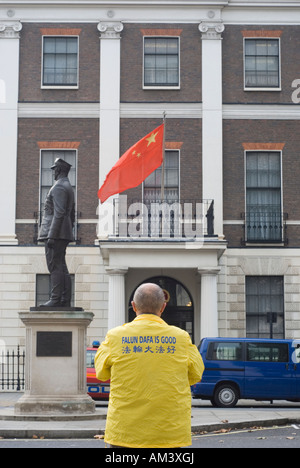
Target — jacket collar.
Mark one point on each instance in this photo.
(151, 317)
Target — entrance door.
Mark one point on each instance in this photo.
(180, 308)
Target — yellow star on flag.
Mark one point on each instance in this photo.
(151, 138)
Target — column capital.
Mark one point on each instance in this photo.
(116, 271)
(10, 29)
(110, 30)
(211, 30)
(209, 271)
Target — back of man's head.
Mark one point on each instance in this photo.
(149, 298)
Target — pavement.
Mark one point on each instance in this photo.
(205, 418)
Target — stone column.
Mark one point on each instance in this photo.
(9, 89)
(109, 139)
(209, 303)
(212, 127)
(116, 297)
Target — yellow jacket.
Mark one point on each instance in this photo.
(151, 366)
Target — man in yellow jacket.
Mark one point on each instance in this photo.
(151, 366)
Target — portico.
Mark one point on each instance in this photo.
(128, 263)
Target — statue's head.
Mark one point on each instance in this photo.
(61, 168)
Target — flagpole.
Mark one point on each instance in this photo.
(163, 163)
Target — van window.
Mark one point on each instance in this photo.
(267, 352)
(225, 351)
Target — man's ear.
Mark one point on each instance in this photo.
(162, 309)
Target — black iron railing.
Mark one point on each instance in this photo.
(264, 224)
(12, 369)
(182, 219)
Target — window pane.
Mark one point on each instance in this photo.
(265, 352)
(225, 351)
(150, 46)
(49, 45)
(61, 45)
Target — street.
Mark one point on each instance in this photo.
(273, 437)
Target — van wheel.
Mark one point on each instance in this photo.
(225, 396)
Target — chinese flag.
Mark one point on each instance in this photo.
(135, 165)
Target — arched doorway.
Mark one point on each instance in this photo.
(180, 308)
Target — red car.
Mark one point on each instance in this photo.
(97, 389)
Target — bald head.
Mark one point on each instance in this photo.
(149, 298)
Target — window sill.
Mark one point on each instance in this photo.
(60, 87)
(262, 89)
(167, 88)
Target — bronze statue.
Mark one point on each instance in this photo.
(57, 231)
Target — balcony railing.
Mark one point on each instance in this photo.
(176, 219)
(265, 225)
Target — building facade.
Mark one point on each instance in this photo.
(85, 80)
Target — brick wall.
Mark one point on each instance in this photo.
(83, 131)
(185, 131)
(132, 64)
(237, 132)
(233, 68)
(31, 62)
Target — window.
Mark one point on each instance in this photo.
(60, 61)
(161, 62)
(152, 185)
(225, 351)
(263, 197)
(262, 69)
(265, 307)
(47, 174)
(90, 357)
(265, 352)
(43, 289)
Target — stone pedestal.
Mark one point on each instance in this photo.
(55, 366)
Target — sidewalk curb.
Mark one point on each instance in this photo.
(82, 433)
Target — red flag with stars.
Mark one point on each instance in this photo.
(135, 165)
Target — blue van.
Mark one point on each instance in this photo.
(246, 368)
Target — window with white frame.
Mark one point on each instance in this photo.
(161, 62)
(153, 183)
(263, 196)
(265, 306)
(60, 61)
(47, 174)
(262, 63)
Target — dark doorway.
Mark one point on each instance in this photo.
(180, 307)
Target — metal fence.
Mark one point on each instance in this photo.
(12, 370)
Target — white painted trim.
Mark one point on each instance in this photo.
(56, 110)
(156, 110)
(91, 110)
(148, 110)
(261, 111)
